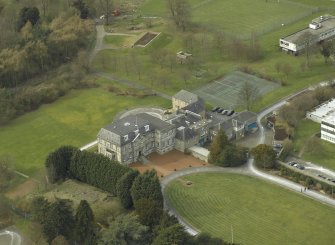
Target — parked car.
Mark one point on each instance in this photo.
(220, 110)
(321, 176)
(229, 113)
(215, 109)
(278, 145)
(291, 163)
(299, 166)
(224, 112)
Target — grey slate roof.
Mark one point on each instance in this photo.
(245, 117)
(155, 122)
(184, 133)
(196, 107)
(129, 124)
(186, 96)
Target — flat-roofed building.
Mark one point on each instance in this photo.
(328, 129)
(322, 111)
(320, 29)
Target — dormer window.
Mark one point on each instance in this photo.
(136, 132)
(125, 137)
(146, 128)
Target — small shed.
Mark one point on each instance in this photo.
(183, 57)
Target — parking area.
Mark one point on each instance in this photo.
(312, 170)
(168, 163)
(225, 91)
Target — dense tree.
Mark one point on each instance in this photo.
(248, 94)
(81, 6)
(232, 156)
(60, 240)
(326, 50)
(205, 239)
(149, 212)
(58, 220)
(264, 155)
(147, 186)
(58, 163)
(218, 145)
(123, 230)
(174, 234)
(123, 188)
(39, 209)
(97, 170)
(31, 14)
(84, 224)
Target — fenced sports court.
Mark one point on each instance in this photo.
(225, 91)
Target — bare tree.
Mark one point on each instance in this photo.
(106, 5)
(44, 5)
(180, 11)
(248, 94)
(307, 41)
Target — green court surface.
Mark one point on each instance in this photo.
(225, 91)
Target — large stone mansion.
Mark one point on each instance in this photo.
(133, 137)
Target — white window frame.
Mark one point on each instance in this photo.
(125, 137)
(147, 127)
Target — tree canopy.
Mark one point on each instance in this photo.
(147, 186)
(264, 155)
(123, 230)
(84, 224)
(58, 163)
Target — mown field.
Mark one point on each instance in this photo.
(237, 16)
(316, 151)
(74, 119)
(256, 211)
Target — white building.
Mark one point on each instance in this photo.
(321, 29)
(325, 115)
(328, 129)
(322, 111)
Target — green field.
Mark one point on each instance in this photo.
(258, 212)
(322, 153)
(237, 16)
(74, 119)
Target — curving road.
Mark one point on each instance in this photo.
(248, 169)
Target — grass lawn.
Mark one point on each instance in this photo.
(257, 211)
(322, 153)
(115, 40)
(74, 119)
(236, 16)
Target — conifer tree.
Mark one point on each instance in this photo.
(84, 224)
